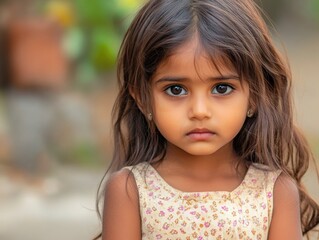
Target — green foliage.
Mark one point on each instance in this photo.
(81, 153)
(104, 48)
(272, 8)
(103, 25)
(314, 9)
(93, 38)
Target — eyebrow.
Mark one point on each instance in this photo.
(183, 79)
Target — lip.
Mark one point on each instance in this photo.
(200, 134)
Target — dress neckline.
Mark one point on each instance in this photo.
(185, 194)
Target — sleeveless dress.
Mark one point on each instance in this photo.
(168, 213)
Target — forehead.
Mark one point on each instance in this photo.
(192, 55)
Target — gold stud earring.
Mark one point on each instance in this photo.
(150, 116)
(250, 113)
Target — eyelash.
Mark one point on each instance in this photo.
(168, 90)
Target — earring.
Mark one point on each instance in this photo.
(149, 116)
(250, 113)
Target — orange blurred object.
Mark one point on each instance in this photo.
(35, 54)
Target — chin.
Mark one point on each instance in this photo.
(201, 151)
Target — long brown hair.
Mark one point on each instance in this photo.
(235, 31)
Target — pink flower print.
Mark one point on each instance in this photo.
(204, 209)
(269, 194)
(263, 205)
(196, 195)
(235, 223)
(221, 224)
(181, 208)
(239, 192)
(193, 213)
(206, 224)
(165, 226)
(150, 194)
(225, 208)
(148, 211)
(162, 214)
(158, 236)
(254, 180)
(200, 238)
(170, 209)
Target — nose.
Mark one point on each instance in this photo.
(199, 107)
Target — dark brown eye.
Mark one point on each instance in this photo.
(222, 89)
(175, 90)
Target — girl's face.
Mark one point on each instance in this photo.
(196, 107)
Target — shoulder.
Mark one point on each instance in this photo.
(125, 179)
(121, 207)
(286, 195)
(285, 223)
(286, 187)
(121, 184)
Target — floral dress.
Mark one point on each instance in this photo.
(168, 213)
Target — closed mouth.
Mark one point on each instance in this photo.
(200, 134)
(200, 131)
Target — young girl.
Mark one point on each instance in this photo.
(205, 142)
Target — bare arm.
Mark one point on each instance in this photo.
(285, 224)
(121, 219)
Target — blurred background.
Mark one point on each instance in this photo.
(57, 88)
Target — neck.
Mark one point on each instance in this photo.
(224, 159)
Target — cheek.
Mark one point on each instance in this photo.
(167, 120)
(234, 116)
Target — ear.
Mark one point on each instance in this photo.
(252, 108)
(137, 101)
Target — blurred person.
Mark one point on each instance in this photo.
(37, 69)
(205, 145)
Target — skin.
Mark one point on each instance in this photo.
(199, 110)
